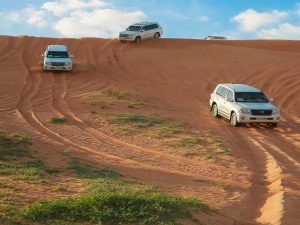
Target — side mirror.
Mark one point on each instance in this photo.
(43, 55)
(271, 99)
(71, 56)
(143, 30)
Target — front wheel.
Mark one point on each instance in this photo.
(272, 125)
(157, 35)
(138, 39)
(233, 120)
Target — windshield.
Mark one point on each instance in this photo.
(258, 97)
(57, 54)
(134, 28)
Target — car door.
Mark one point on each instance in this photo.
(227, 106)
(223, 102)
(145, 32)
(153, 30)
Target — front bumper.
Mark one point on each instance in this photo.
(246, 118)
(58, 68)
(130, 38)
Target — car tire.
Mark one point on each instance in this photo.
(233, 120)
(215, 111)
(272, 125)
(138, 39)
(157, 35)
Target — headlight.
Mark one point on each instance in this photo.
(48, 63)
(245, 111)
(275, 111)
(68, 64)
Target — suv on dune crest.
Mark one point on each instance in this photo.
(141, 31)
(242, 103)
(57, 57)
(215, 38)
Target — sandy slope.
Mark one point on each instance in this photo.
(177, 76)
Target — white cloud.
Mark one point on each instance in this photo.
(282, 31)
(29, 15)
(13, 16)
(35, 17)
(60, 8)
(176, 15)
(203, 18)
(76, 18)
(101, 22)
(250, 19)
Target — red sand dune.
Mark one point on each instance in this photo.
(178, 77)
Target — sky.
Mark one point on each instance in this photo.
(235, 19)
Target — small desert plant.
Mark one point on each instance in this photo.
(221, 145)
(134, 104)
(138, 120)
(170, 129)
(189, 141)
(13, 144)
(118, 94)
(58, 120)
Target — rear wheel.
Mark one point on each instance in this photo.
(272, 125)
(233, 120)
(138, 39)
(214, 111)
(157, 35)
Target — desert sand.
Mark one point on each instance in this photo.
(176, 77)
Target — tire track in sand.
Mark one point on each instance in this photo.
(25, 111)
(126, 150)
(272, 211)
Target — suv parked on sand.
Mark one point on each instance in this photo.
(242, 103)
(215, 38)
(141, 31)
(57, 57)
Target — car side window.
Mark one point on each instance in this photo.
(230, 96)
(219, 90)
(147, 27)
(224, 92)
(154, 26)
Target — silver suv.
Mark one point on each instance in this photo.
(57, 57)
(141, 31)
(242, 103)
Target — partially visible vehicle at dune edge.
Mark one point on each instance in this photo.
(215, 38)
(242, 103)
(141, 31)
(57, 57)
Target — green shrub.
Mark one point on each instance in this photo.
(13, 144)
(116, 208)
(22, 171)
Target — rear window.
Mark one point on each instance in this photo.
(57, 54)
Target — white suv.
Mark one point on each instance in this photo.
(141, 31)
(57, 57)
(242, 103)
